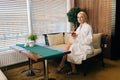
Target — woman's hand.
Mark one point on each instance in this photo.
(73, 34)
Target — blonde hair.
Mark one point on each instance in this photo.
(84, 15)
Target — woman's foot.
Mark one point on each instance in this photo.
(72, 73)
(59, 69)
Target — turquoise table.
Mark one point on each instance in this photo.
(44, 53)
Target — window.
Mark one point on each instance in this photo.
(48, 18)
(44, 18)
(13, 22)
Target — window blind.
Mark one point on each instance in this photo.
(49, 18)
(13, 22)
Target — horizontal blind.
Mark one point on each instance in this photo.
(13, 22)
(49, 16)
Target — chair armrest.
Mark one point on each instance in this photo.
(46, 37)
(103, 41)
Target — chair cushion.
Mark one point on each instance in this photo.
(96, 52)
(55, 39)
(68, 38)
(61, 46)
(97, 40)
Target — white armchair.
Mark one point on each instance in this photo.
(60, 40)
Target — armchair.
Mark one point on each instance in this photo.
(60, 40)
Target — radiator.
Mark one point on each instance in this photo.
(11, 57)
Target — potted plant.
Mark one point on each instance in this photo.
(32, 39)
(72, 16)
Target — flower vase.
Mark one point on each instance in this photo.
(31, 43)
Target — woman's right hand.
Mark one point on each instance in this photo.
(73, 34)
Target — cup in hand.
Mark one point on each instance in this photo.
(73, 34)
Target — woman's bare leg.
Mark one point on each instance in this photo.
(73, 67)
(73, 71)
(60, 67)
(64, 58)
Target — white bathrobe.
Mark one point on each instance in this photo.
(82, 44)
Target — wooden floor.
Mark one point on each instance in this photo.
(111, 71)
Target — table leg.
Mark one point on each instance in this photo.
(31, 71)
(45, 70)
(46, 77)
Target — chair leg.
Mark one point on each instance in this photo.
(85, 70)
(103, 64)
(102, 60)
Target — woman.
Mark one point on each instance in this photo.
(82, 45)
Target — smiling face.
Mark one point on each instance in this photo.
(82, 17)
